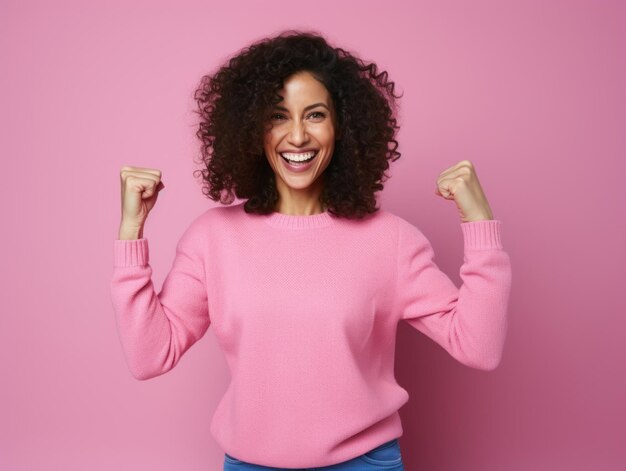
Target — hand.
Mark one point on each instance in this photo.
(461, 184)
(140, 189)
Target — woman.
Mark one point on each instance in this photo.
(306, 281)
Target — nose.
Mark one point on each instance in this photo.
(298, 134)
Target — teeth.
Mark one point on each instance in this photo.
(298, 157)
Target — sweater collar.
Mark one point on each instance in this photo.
(292, 221)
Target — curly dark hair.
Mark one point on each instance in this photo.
(234, 103)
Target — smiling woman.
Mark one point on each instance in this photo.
(282, 97)
(300, 142)
(304, 302)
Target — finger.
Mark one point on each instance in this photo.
(134, 173)
(154, 171)
(462, 173)
(463, 164)
(443, 190)
(145, 172)
(146, 184)
(453, 167)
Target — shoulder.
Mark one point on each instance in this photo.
(218, 213)
(394, 228)
(381, 218)
(406, 232)
(398, 223)
(215, 217)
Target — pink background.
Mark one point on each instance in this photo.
(532, 92)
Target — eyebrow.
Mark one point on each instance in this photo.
(277, 107)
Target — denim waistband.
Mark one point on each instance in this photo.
(385, 445)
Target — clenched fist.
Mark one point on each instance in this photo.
(460, 183)
(140, 190)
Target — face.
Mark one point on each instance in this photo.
(303, 121)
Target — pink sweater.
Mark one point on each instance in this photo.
(305, 309)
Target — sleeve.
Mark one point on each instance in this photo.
(469, 322)
(155, 330)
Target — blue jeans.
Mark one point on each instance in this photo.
(384, 457)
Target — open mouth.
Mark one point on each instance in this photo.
(295, 159)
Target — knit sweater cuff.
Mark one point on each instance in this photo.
(131, 252)
(482, 235)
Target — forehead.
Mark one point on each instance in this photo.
(302, 89)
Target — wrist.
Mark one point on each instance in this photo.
(130, 232)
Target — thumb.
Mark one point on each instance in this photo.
(151, 191)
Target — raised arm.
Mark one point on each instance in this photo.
(157, 329)
(469, 322)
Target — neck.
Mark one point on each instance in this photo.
(300, 209)
(300, 202)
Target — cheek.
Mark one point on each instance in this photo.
(327, 158)
(271, 141)
(329, 134)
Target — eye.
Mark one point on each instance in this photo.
(277, 116)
